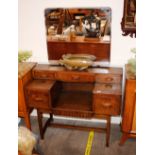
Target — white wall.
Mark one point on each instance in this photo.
(32, 34)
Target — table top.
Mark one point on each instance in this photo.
(24, 67)
(54, 66)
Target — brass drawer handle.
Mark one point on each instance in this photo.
(109, 79)
(47, 75)
(108, 86)
(107, 105)
(38, 99)
(44, 75)
(75, 77)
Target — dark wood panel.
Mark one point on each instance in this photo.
(76, 86)
(57, 49)
(74, 101)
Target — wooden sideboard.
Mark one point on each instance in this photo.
(129, 111)
(93, 93)
(57, 48)
(24, 76)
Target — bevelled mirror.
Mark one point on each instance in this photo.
(78, 31)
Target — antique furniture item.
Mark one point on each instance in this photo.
(129, 18)
(92, 93)
(129, 111)
(24, 76)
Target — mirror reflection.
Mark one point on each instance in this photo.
(78, 26)
(79, 22)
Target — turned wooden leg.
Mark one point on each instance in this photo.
(40, 124)
(108, 130)
(123, 139)
(27, 120)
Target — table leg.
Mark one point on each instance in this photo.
(40, 124)
(123, 139)
(27, 120)
(108, 130)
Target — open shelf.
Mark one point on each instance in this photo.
(73, 103)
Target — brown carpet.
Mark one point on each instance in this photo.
(58, 141)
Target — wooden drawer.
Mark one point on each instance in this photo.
(39, 92)
(106, 104)
(74, 77)
(108, 78)
(43, 75)
(38, 100)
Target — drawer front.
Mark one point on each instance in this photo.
(43, 75)
(106, 104)
(38, 99)
(74, 77)
(108, 78)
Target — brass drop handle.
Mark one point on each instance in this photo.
(107, 105)
(38, 99)
(76, 77)
(109, 79)
(44, 75)
(108, 86)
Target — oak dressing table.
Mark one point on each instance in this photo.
(92, 93)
